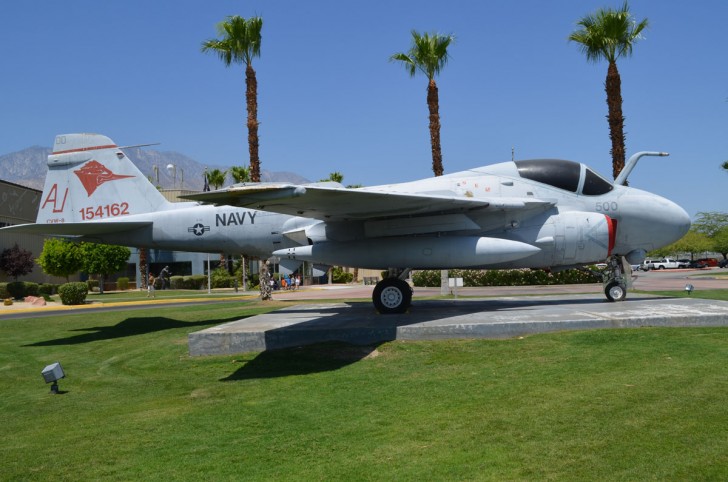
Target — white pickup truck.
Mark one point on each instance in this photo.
(663, 263)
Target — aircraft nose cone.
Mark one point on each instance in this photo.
(681, 220)
(650, 222)
(672, 223)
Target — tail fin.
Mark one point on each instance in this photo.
(91, 179)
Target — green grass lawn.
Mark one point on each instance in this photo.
(702, 294)
(597, 405)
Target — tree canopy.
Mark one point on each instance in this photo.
(240, 174)
(709, 223)
(16, 261)
(335, 176)
(216, 177)
(239, 41)
(103, 259)
(608, 34)
(60, 258)
(428, 54)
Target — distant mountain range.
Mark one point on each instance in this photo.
(29, 167)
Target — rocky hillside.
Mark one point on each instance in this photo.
(28, 168)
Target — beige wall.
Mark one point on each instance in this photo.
(19, 205)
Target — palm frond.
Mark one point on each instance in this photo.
(239, 40)
(608, 34)
(428, 53)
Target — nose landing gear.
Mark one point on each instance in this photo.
(614, 279)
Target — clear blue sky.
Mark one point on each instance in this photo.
(329, 99)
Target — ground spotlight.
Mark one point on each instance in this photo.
(51, 374)
(689, 288)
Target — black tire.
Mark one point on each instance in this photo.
(615, 291)
(392, 295)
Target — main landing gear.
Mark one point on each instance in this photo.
(393, 294)
(615, 282)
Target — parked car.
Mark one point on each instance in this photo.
(645, 266)
(699, 264)
(709, 261)
(663, 263)
(723, 263)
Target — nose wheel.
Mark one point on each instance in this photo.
(615, 291)
(615, 282)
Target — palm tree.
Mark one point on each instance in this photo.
(608, 35)
(335, 176)
(428, 54)
(725, 165)
(240, 43)
(143, 268)
(216, 177)
(240, 174)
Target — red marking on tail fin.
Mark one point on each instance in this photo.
(93, 174)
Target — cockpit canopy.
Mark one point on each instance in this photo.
(567, 175)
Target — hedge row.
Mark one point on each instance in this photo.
(70, 293)
(194, 282)
(20, 289)
(507, 277)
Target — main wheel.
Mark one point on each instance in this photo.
(615, 291)
(392, 295)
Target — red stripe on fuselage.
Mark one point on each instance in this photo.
(82, 149)
(612, 226)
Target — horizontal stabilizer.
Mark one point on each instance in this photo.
(77, 229)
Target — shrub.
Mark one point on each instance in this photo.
(193, 282)
(177, 282)
(73, 293)
(221, 278)
(427, 278)
(92, 284)
(507, 277)
(4, 293)
(338, 275)
(197, 281)
(32, 289)
(48, 289)
(122, 283)
(16, 289)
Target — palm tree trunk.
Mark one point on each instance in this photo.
(251, 98)
(143, 271)
(613, 87)
(433, 104)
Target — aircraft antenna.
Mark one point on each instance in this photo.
(139, 145)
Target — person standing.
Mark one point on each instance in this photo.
(150, 286)
(165, 274)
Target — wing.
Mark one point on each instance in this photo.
(77, 229)
(342, 204)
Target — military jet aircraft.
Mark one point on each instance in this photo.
(550, 214)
